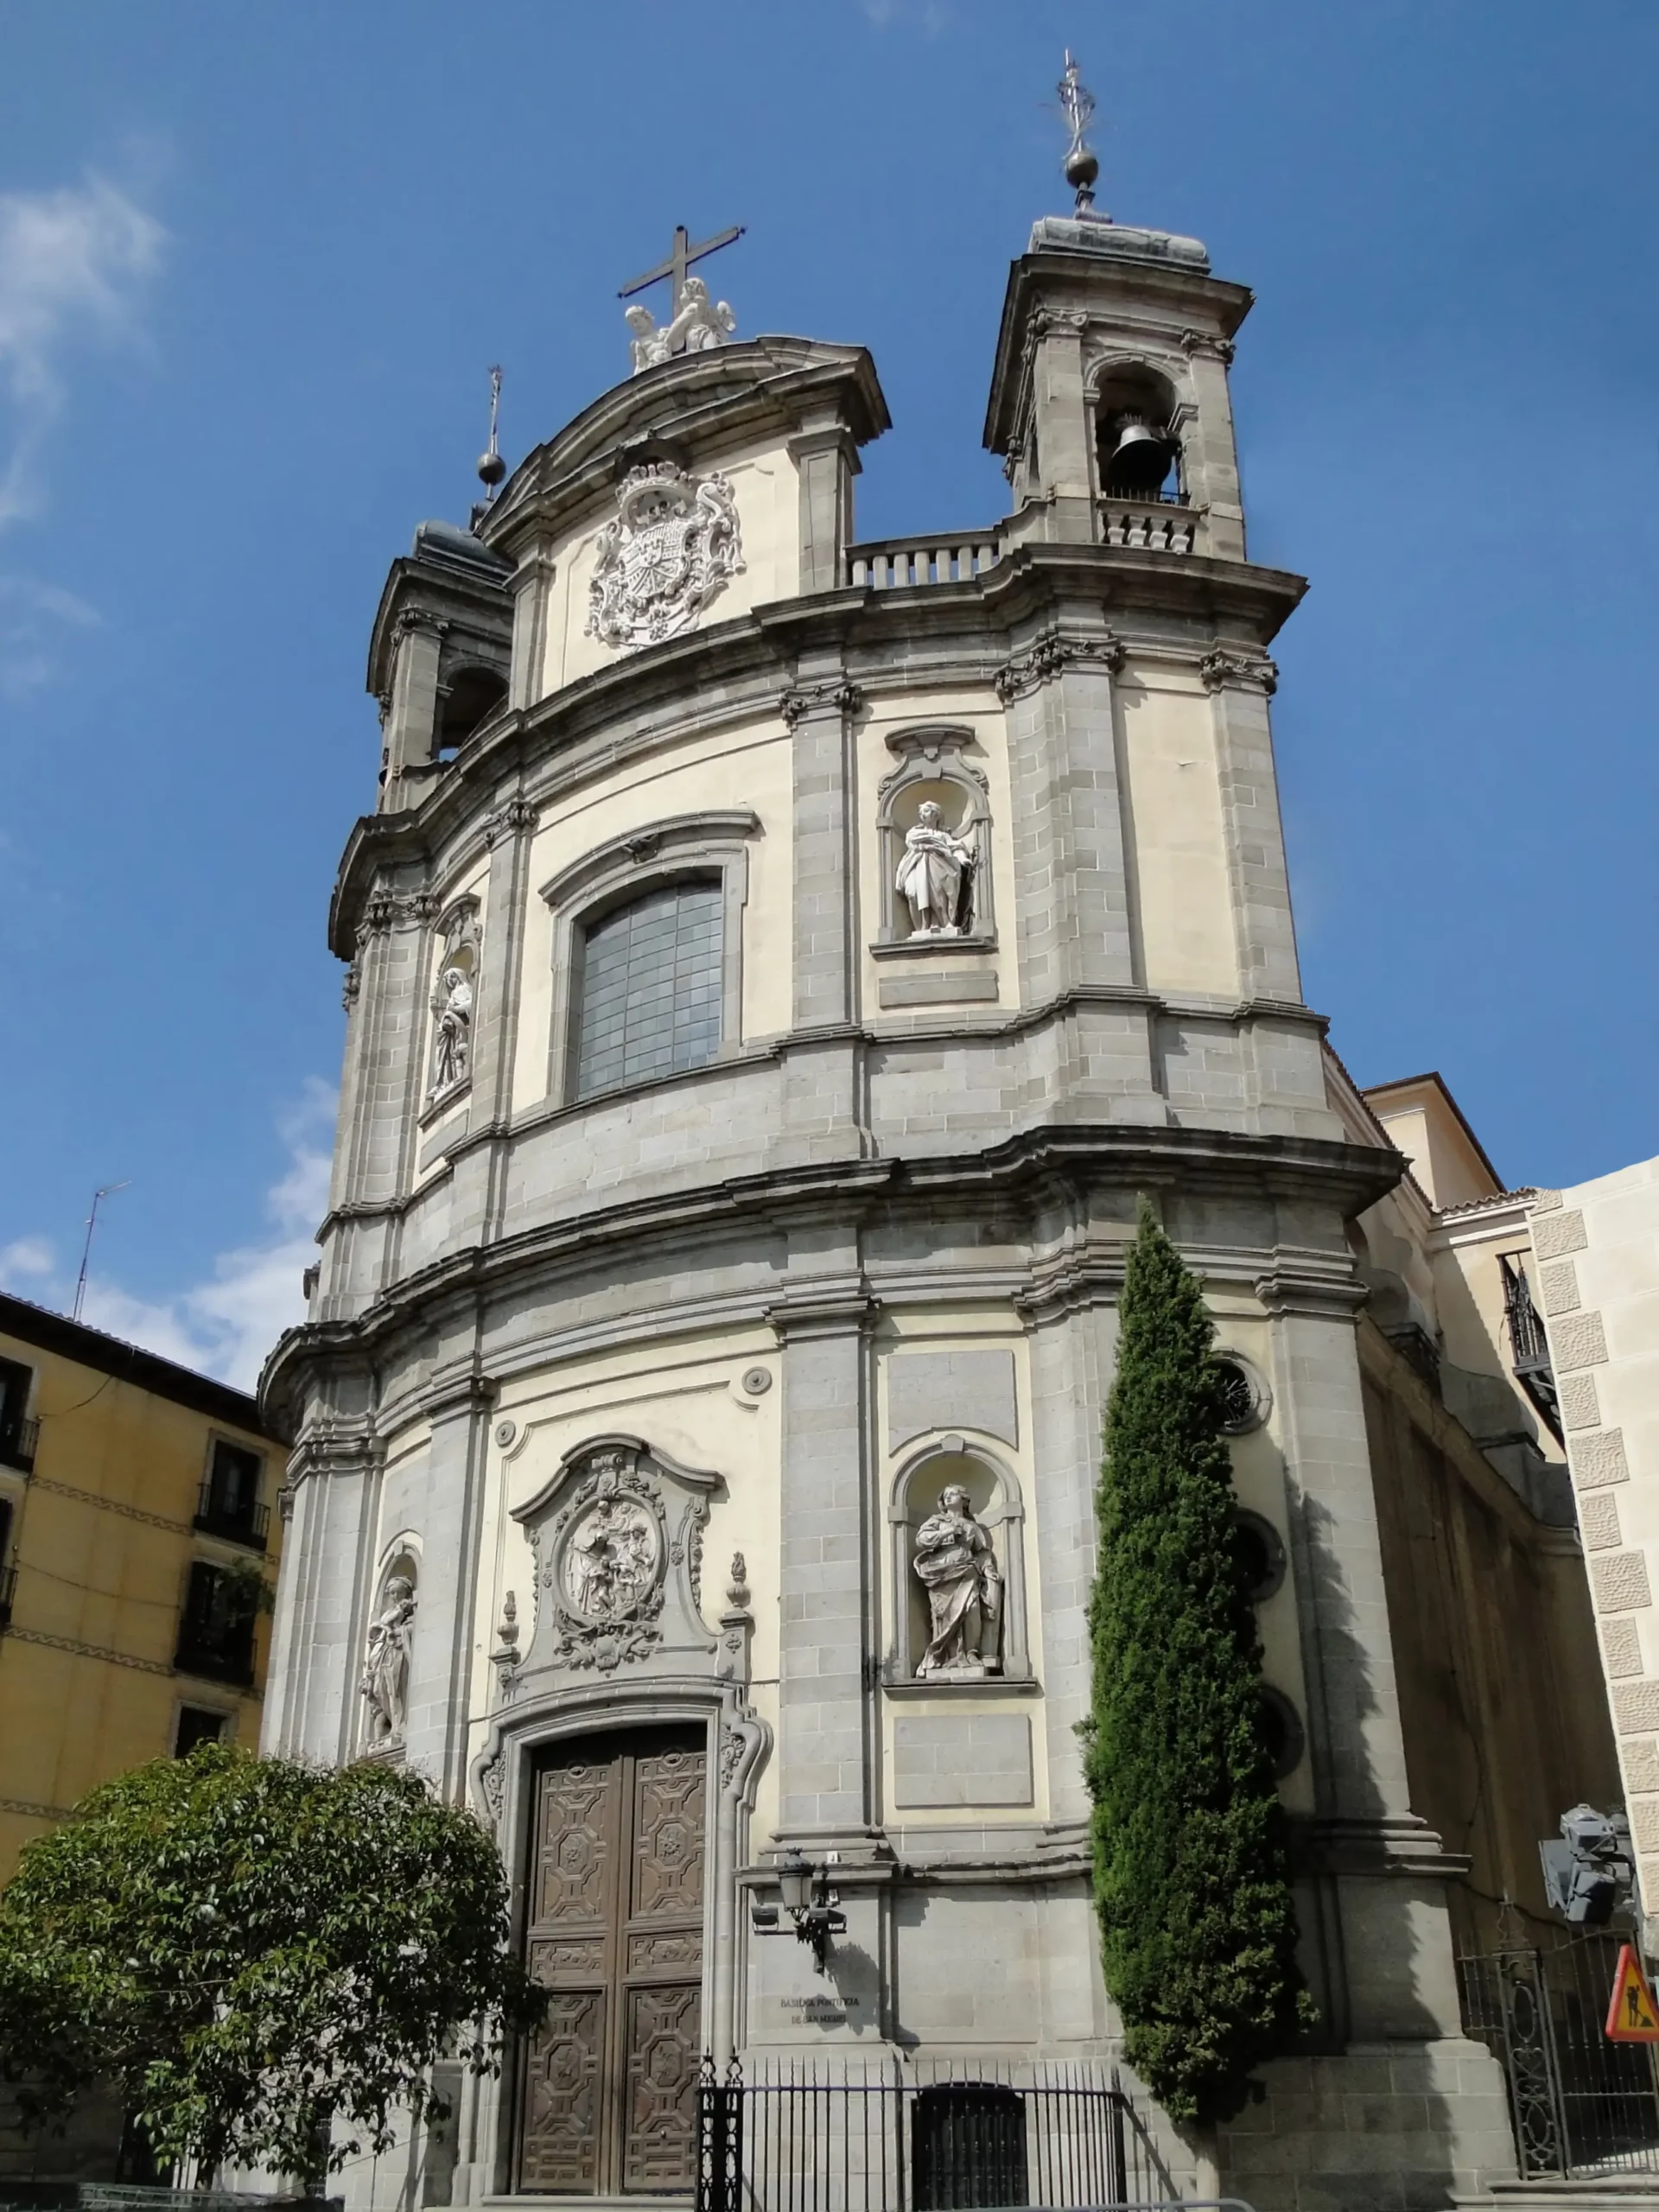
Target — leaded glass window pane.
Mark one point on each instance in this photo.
(650, 988)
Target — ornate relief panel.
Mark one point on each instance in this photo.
(667, 556)
(618, 1540)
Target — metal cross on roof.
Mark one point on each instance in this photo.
(679, 260)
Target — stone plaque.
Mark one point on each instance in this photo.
(952, 1389)
(961, 1759)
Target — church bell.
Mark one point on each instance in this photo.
(1140, 459)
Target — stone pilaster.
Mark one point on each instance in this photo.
(827, 460)
(481, 1171)
(823, 1072)
(412, 712)
(1240, 685)
(441, 1659)
(826, 1580)
(312, 1710)
(532, 587)
(1071, 879)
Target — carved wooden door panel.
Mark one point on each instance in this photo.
(615, 1931)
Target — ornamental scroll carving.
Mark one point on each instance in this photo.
(617, 1536)
(666, 556)
(1051, 656)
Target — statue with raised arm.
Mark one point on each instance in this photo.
(957, 1566)
(936, 877)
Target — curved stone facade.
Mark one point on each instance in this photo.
(733, 1332)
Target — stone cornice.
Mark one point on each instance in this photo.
(700, 403)
(966, 634)
(1032, 1163)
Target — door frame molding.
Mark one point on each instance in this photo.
(502, 1777)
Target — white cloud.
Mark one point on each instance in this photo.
(226, 1324)
(70, 261)
(23, 1261)
(35, 619)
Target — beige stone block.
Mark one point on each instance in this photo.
(1636, 1709)
(1598, 1522)
(1599, 1459)
(1545, 1201)
(1579, 1406)
(1558, 1233)
(1621, 1644)
(1578, 1340)
(1641, 1760)
(1558, 1286)
(1647, 1872)
(1620, 1582)
(1644, 1823)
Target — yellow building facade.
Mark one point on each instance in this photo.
(138, 1524)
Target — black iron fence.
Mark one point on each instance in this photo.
(782, 2137)
(1580, 2104)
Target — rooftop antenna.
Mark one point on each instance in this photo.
(103, 1190)
(491, 467)
(1077, 105)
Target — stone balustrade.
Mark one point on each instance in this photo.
(893, 564)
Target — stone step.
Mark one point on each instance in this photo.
(1591, 2193)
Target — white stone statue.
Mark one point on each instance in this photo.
(957, 1566)
(452, 1059)
(385, 1671)
(936, 877)
(698, 323)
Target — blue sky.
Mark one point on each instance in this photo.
(255, 262)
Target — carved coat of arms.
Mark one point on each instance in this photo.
(667, 556)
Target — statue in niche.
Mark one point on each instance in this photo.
(453, 1054)
(385, 1670)
(936, 877)
(957, 1566)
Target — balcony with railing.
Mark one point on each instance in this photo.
(19, 1442)
(220, 1511)
(8, 1592)
(1528, 1346)
(901, 563)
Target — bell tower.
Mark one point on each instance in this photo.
(1109, 396)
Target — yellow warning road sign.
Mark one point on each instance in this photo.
(1633, 2017)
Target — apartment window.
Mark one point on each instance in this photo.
(17, 1433)
(229, 1505)
(197, 1724)
(650, 989)
(216, 1629)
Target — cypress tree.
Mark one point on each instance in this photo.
(1192, 1873)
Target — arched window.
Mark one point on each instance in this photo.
(650, 986)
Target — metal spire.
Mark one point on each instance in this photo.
(491, 467)
(1077, 105)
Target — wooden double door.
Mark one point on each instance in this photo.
(608, 2097)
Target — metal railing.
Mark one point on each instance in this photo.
(8, 1593)
(19, 1444)
(1578, 2104)
(788, 2136)
(895, 563)
(238, 1523)
(1529, 1345)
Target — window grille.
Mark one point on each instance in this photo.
(216, 1633)
(651, 988)
(17, 1436)
(229, 1502)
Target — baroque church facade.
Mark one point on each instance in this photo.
(778, 966)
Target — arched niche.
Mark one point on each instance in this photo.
(388, 1649)
(458, 939)
(1124, 390)
(995, 1499)
(931, 766)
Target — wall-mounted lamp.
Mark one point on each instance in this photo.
(810, 1903)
